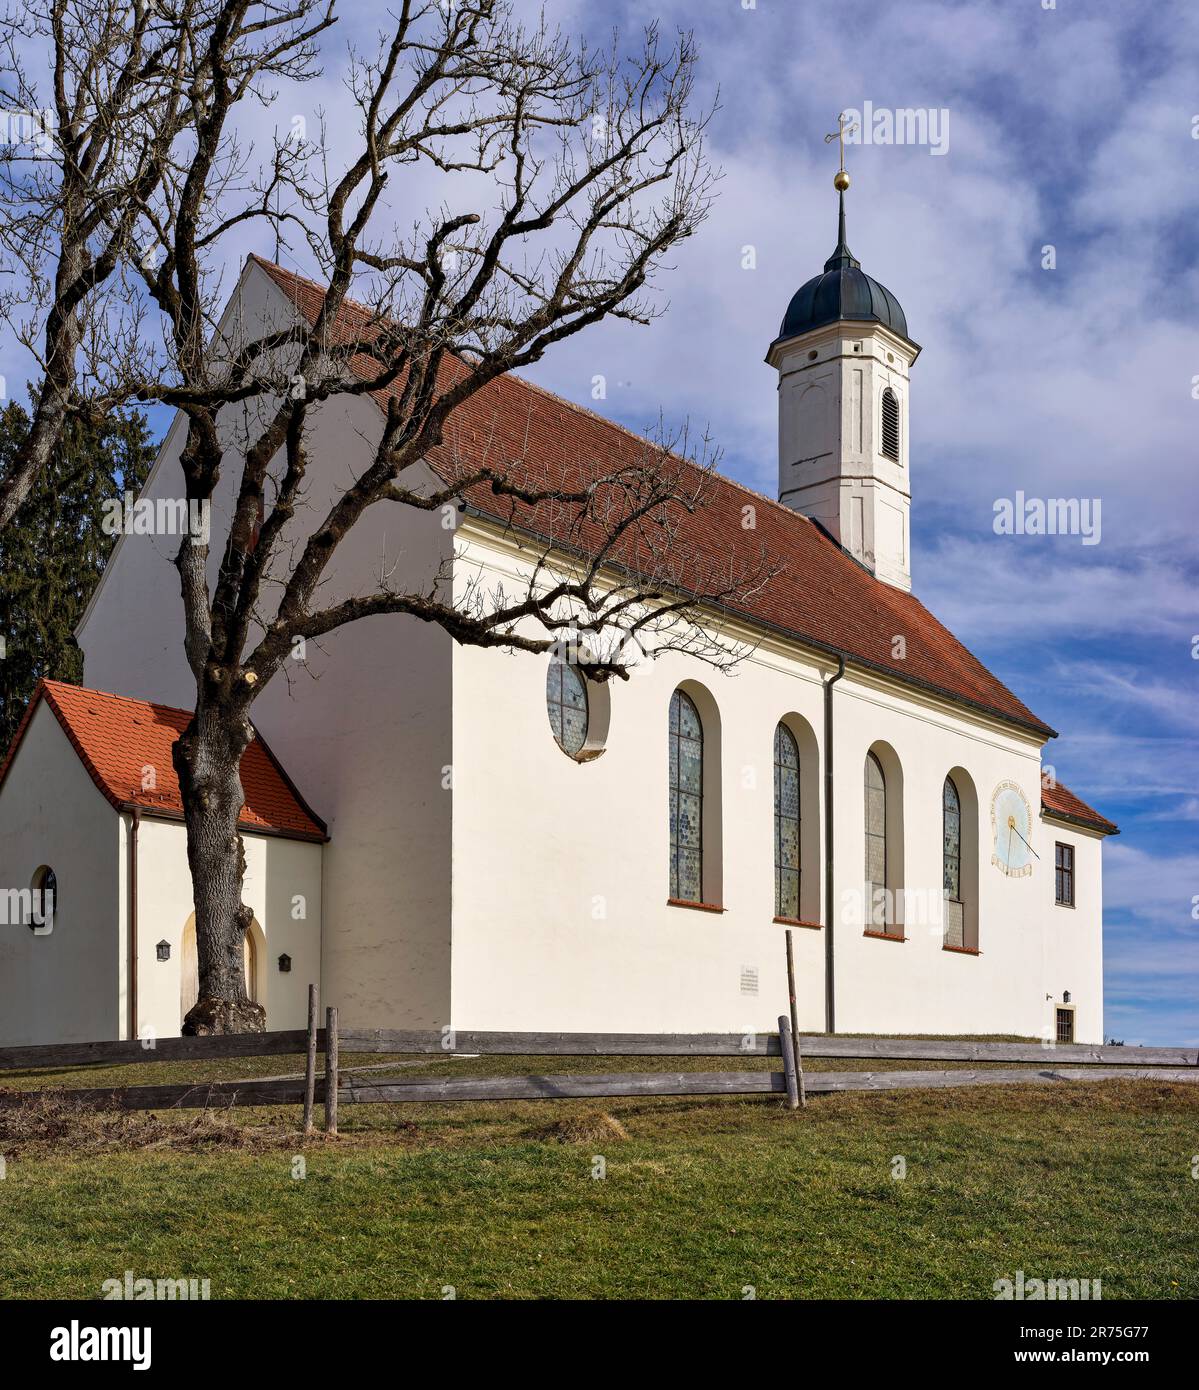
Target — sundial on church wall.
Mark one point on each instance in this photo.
(1011, 830)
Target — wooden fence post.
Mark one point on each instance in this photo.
(331, 1077)
(803, 1095)
(310, 1062)
(787, 1048)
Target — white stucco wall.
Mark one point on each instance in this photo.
(561, 868)
(131, 634)
(1074, 935)
(361, 723)
(278, 871)
(63, 987)
(885, 986)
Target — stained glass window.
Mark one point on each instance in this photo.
(951, 858)
(686, 800)
(566, 701)
(786, 823)
(876, 845)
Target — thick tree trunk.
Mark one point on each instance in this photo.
(208, 760)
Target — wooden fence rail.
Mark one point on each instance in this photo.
(363, 1091)
(383, 1040)
(55, 1056)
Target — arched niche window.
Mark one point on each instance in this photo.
(686, 799)
(43, 901)
(890, 425)
(876, 845)
(566, 704)
(951, 855)
(786, 824)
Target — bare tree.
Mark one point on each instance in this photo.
(568, 176)
(89, 158)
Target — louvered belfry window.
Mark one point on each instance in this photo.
(890, 425)
(876, 845)
(786, 823)
(686, 800)
(952, 861)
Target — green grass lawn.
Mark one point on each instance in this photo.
(701, 1198)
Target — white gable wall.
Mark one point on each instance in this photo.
(131, 634)
(64, 987)
(361, 723)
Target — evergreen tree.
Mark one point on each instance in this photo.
(53, 552)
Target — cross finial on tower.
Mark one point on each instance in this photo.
(844, 128)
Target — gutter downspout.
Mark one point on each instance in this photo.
(829, 1008)
(135, 822)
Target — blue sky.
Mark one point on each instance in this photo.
(1072, 127)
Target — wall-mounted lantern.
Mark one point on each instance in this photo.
(285, 964)
(1065, 996)
(163, 950)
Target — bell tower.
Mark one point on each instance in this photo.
(843, 355)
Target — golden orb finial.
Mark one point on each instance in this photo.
(844, 128)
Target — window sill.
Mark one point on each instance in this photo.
(697, 907)
(883, 936)
(963, 950)
(796, 922)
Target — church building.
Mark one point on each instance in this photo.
(444, 835)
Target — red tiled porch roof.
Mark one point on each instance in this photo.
(117, 739)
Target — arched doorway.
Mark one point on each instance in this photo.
(189, 971)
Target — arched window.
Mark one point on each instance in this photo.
(43, 901)
(686, 800)
(890, 425)
(876, 845)
(566, 702)
(952, 860)
(786, 823)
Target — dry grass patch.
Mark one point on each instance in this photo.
(589, 1127)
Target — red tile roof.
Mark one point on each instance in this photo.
(820, 595)
(1061, 802)
(117, 739)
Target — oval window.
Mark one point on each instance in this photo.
(566, 702)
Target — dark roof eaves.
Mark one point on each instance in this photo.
(1100, 823)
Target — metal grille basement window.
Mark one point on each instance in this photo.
(1065, 1025)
